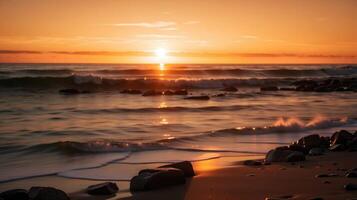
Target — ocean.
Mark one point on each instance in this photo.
(85, 136)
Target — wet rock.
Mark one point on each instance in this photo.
(311, 141)
(107, 188)
(204, 97)
(341, 137)
(352, 145)
(16, 194)
(185, 166)
(155, 179)
(337, 147)
(47, 193)
(130, 91)
(277, 155)
(168, 93)
(316, 151)
(351, 175)
(295, 156)
(296, 147)
(350, 187)
(219, 95)
(70, 91)
(269, 88)
(252, 163)
(152, 93)
(229, 89)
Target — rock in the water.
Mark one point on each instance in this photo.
(47, 193)
(295, 156)
(252, 163)
(150, 180)
(107, 188)
(351, 175)
(341, 137)
(269, 88)
(297, 147)
(16, 194)
(185, 166)
(152, 93)
(350, 187)
(204, 97)
(337, 147)
(69, 91)
(130, 91)
(316, 152)
(229, 89)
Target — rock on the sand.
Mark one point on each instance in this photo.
(152, 93)
(350, 187)
(155, 179)
(312, 141)
(185, 166)
(282, 155)
(341, 137)
(16, 194)
(295, 156)
(316, 151)
(252, 163)
(204, 97)
(47, 193)
(107, 188)
(70, 91)
(337, 147)
(130, 91)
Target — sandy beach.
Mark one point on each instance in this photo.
(232, 180)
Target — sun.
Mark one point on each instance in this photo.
(160, 53)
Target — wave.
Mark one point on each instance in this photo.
(217, 71)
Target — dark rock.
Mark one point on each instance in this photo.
(47, 193)
(219, 95)
(269, 88)
(130, 91)
(282, 197)
(296, 147)
(316, 198)
(198, 98)
(69, 91)
(316, 151)
(350, 187)
(107, 188)
(185, 166)
(150, 180)
(277, 155)
(311, 141)
(252, 163)
(229, 89)
(168, 93)
(337, 147)
(351, 175)
(16, 194)
(352, 145)
(341, 137)
(295, 156)
(152, 93)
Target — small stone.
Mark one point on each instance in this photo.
(327, 182)
(250, 174)
(280, 197)
(16, 194)
(326, 175)
(107, 188)
(350, 187)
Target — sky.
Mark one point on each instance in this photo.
(210, 31)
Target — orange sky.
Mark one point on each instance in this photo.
(210, 31)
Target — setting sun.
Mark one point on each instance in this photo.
(160, 53)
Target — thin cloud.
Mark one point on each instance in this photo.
(188, 54)
(158, 24)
